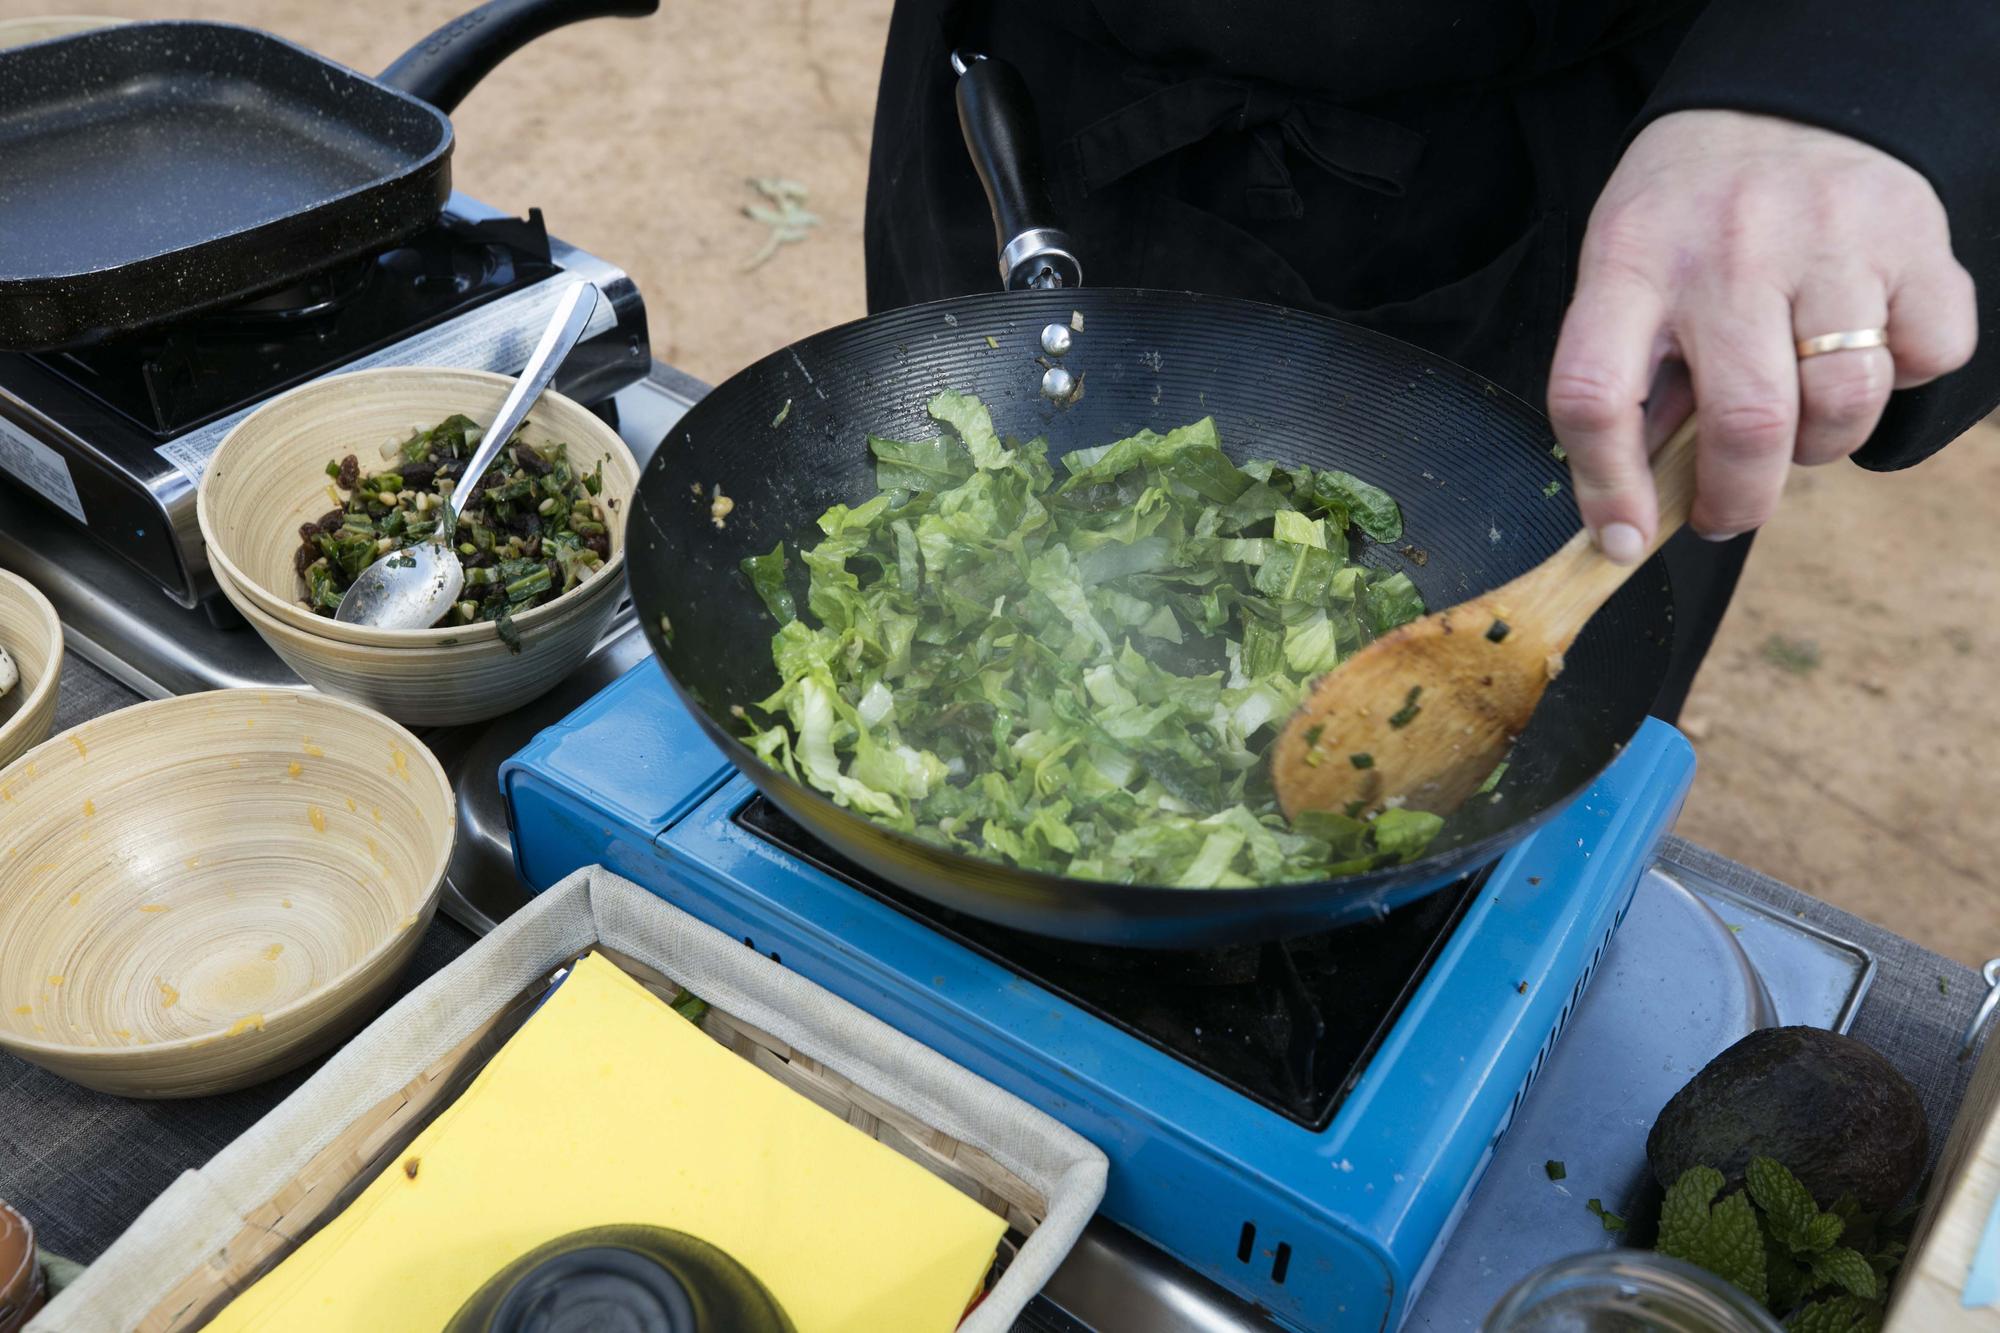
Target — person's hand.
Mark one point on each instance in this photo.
(1720, 241)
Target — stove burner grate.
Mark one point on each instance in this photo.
(1290, 1024)
(174, 379)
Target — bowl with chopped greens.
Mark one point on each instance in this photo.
(314, 486)
(317, 484)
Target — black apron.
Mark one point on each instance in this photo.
(1419, 167)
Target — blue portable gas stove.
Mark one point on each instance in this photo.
(1301, 1122)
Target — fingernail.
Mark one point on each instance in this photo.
(1717, 536)
(1622, 543)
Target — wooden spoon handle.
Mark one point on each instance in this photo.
(1566, 589)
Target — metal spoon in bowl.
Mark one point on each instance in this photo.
(414, 587)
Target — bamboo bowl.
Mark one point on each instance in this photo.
(33, 637)
(268, 478)
(444, 686)
(201, 893)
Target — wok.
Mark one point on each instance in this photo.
(1468, 463)
(149, 171)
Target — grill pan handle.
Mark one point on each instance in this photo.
(443, 67)
(997, 117)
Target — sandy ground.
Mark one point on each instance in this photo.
(1846, 723)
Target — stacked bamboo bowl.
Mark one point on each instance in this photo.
(268, 479)
(200, 893)
(33, 637)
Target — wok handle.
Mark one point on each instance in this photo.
(997, 117)
(443, 67)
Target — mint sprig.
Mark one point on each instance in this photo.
(1776, 1243)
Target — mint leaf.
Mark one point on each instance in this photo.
(1724, 1237)
(1821, 1233)
(1846, 1269)
(1611, 1220)
(1555, 1169)
(1788, 1207)
(1789, 1281)
(1684, 1212)
(1842, 1314)
(1732, 1245)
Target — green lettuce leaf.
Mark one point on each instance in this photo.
(1083, 676)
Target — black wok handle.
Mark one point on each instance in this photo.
(443, 67)
(998, 118)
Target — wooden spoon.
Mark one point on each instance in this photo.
(1427, 711)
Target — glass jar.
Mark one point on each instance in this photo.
(1627, 1291)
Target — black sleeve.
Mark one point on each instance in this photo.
(1915, 78)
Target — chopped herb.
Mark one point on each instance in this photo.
(503, 625)
(1314, 758)
(1521, 987)
(1362, 760)
(689, 1006)
(1407, 714)
(1735, 928)
(1560, 454)
(1944, 987)
(1556, 1170)
(1549, 491)
(783, 412)
(1497, 631)
(1492, 779)
(1314, 732)
(532, 531)
(992, 342)
(1611, 1220)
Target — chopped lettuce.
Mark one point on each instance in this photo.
(1080, 676)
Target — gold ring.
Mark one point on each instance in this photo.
(1852, 341)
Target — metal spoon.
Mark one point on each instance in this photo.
(414, 587)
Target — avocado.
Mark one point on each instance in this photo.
(1828, 1107)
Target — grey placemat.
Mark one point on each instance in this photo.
(1918, 1008)
(85, 692)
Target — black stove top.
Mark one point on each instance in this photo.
(182, 376)
(1289, 1024)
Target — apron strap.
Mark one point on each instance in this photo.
(1363, 150)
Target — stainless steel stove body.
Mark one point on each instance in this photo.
(112, 440)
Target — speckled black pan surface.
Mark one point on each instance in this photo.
(152, 170)
(1468, 463)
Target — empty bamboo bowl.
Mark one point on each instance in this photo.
(201, 893)
(33, 637)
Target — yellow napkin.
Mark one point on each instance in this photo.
(609, 1107)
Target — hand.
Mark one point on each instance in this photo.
(1720, 240)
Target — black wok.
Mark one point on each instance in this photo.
(1468, 463)
(149, 171)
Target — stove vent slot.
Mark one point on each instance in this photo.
(1562, 1022)
(1281, 1257)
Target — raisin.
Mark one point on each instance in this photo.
(350, 473)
